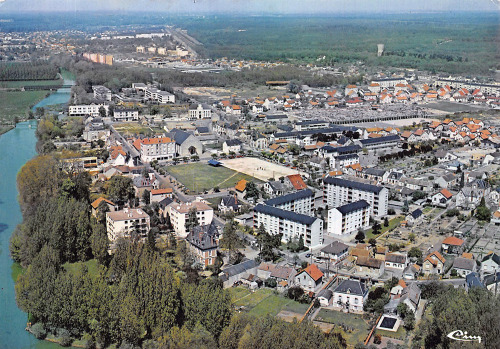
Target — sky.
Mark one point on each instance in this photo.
(252, 6)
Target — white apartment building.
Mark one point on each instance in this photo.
(349, 218)
(179, 214)
(162, 97)
(292, 225)
(126, 115)
(125, 222)
(87, 110)
(200, 111)
(339, 191)
(158, 148)
(101, 93)
(299, 202)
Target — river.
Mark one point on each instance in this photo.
(16, 148)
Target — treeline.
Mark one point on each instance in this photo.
(255, 76)
(113, 77)
(143, 294)
(28, 71)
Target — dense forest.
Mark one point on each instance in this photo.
(143, 295)
(28, 71)
(457, 43)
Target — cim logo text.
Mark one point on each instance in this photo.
(460, 335)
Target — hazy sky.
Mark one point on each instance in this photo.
(254, 6)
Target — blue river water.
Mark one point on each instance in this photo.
(16, 148)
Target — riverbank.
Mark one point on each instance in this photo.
(15, 105)
(17, 146)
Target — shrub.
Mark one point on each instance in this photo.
(377, 339)
(64, 337)
(39, 330)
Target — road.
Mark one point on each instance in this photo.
(131, 150)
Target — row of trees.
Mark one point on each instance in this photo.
(36, 70)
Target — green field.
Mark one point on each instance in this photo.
(21, 83)
(264, 302)
(360, 327)
(128, 129)
(16, 104)
(199, 176)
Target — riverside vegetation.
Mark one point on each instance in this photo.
(141, 295)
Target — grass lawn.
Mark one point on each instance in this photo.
(360, 327)
(17, 103)
(21, 83)
(393, 223)
(264, 302)
(399, 334)
(92, 266)
(128, 129)
(199, 176)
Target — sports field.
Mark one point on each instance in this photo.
(201, 176)
(258, 168)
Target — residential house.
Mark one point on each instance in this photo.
(446, 181)
(452, 245)
(490, 264)
(370, 266)
(442, 198)
(231, 145)
(278, 188)
(234, 273)
(336, 251)
(325, 297)
(309, 278)
(229, 203)
(396, 262)
(464, 266)
(241, 188)
(433, 264)
(411, 272)
(414, 217)
(349, 296)
(95, 205)
(203, 242)
(157, 195)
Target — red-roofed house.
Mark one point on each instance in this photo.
(442, 198)
(157, 195)
(433, 263)
(452, 245)
(111, 205)
(297, 181)
(309, 278)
